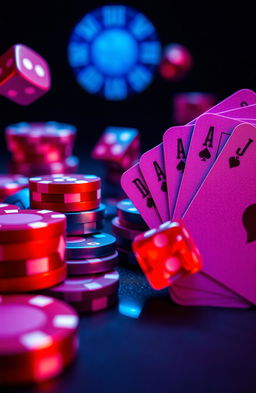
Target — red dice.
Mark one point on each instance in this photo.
(167, 253)
(188, 106)
(24, 75)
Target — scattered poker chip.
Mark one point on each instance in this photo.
(90, 246)
(32, 249)
(28, 225)
(28, 267)
(33, 282)
(58, 184)
(20, 198)
(9, 184)
(78, 267)
(84, 229)
(7, 206)
(87, 216)
(68, 166)
(129, 215)
(87, 289)
(127, 257)
(125, 232)
(66, 197)
(38, 338)
(66, 207)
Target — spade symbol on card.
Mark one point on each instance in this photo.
(164, 186)
(150, 202)
(205, 154)
(249, 220)
(181, 166)
(233, 162)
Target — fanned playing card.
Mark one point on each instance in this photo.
(222, 215)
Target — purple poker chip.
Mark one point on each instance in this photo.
(85, 229)
(78, 267)
(89, 246)
(130, 216)
(121, 231)
(82, 289)
(97, 304)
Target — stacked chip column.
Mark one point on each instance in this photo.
(91, 255)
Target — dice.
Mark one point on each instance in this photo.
(188, 106)
(118, 146)
(176, 62)
(24, 75)
(167, 253)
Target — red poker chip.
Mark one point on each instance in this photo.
(32, 249)
(125, 232)
(9, 184)
(38, 338)
(67, 166)
(66, 207)
(33, 282)
(27, 225)
(78, 267)
(50, 156)
(59, 184)
(66, 197)
(7, 206)
(80, 289)
(28, 267)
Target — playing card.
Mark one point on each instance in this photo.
(245, 112)
(136, 189)
(210, 134)
(153, 163)
(221, 218)
(153, 170)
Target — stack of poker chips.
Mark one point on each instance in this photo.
(32, 249)
(91, 255)
(10, 184)
(126, 226)
(41, 148)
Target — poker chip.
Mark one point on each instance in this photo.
(78, 267)
(90, 246)
(90, 288)
(33, 282)
(58, 184)
(38, 338)
(32, 249)
(129, 216)
(98, 304)
(87, 216)
(66, 197)
(125, 232)
(9, 184)
(28, 225)
(67, 166)
(66, 207)
(20, 199)
(84, 229)
(28, 267)
(8, 207)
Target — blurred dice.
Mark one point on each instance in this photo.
(188, 106)
(119, 149)
(24, 75)
(166, 253)
(176, 62)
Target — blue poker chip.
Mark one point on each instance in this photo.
(84, 229)
(85, 217)
(129, 216)
(114, 52)
(89, 246)
(20, 199)
(78, 267)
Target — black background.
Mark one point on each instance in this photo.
(169, 348)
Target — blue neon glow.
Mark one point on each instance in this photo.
(130, 308)
(114, 52)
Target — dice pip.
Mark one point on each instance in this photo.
(167, 253)
(24, 75)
